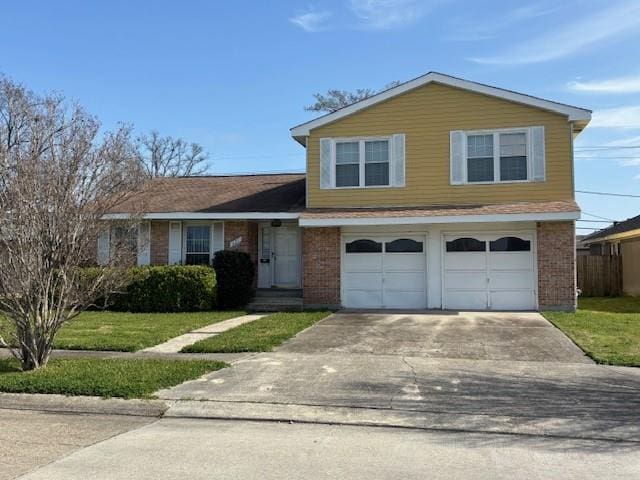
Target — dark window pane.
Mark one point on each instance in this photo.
(198, 238)
(347, 175)
(364, 246)
(376, 174)
(513, 168)
(510, 244)
(197, 259)
(466, 245)
(480, 169)
(403, 245)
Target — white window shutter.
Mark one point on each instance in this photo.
(175, 243)
(397, 155)
(144, 243)
(536, 135)
(326, 148)
(217, 234)
(104, 247)
(457, 156)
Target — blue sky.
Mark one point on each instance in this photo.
(235, 75)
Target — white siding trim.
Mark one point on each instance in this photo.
(573, 113)
(207, 216)
(504, 217)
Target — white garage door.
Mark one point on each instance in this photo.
(484, 271)
(384, 272)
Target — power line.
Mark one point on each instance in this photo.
(608, 194)
(605, 158)
(594, 221)
(606, 147)
(598, 216)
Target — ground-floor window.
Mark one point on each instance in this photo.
(198, 245)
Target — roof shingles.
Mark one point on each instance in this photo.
(224, 194)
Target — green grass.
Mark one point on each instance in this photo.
(104, 378)
(260, 335)
(128, 332)
(607, 329)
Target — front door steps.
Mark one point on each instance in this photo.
(276, 300)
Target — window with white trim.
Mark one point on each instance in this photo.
(362, 163)
(198, 245)
(500, 156)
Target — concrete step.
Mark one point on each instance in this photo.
(275, 304)
(278, 293)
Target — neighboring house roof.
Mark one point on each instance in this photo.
(626, 228)
(228, 194)
(578, 115)
(530, 211)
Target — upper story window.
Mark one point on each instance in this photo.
(497, 157)
(366, 162)
(362, 163)
(509, 155)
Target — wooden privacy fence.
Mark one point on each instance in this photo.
(600, 275)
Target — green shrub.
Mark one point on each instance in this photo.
(235, 272)
(173, 288)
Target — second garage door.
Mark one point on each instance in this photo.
(484, 271)
(384, 272)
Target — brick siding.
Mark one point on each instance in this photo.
(321, 266)
(159, 243)
(556, 266)
(248, 232)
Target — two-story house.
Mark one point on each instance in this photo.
(437, 193)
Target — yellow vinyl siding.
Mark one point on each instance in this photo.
(427, 115)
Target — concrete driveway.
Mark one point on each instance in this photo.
(482, 372)
(521, 336)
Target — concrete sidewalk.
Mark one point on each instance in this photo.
(176, 344)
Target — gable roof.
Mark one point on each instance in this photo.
(225, 194)
(575, 114)
(617, 228)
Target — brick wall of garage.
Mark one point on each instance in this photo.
(556, 266)
(321, 266)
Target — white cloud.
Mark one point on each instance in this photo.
(572, 37)
(312, 21)
(629, 84)
(472, 30)
(620, 117)
(386, 14)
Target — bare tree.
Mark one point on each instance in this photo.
(165, 156)
(336, 99)
(58, 178)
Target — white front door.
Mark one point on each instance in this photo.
(286, 256)
(384, 272)
(489, 271)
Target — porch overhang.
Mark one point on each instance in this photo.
(207, 216)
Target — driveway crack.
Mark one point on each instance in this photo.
(413, 383)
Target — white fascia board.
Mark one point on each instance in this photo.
(573, 113)
(503, 217)
(208, 216)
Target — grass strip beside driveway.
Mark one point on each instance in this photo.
(104, 378)
(607, 329)
(129, 332)
(260, 335)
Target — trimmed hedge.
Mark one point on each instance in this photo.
(170, 288)
(235, 273)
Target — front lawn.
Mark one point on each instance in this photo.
(258, 336)
(607, 329)
(104, 378)
(128, 332)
